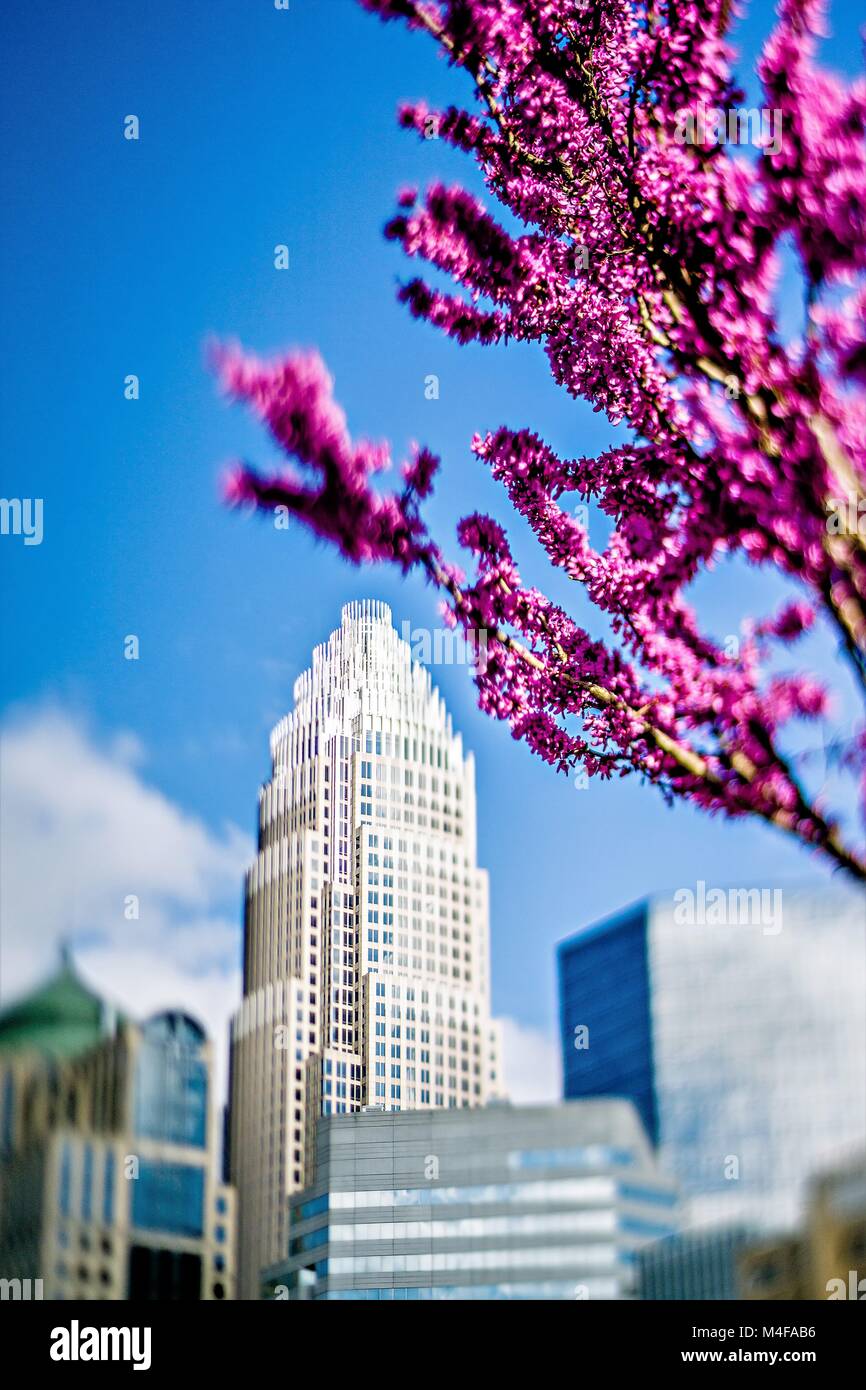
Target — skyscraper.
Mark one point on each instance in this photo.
(366, 945)
(735, 1020)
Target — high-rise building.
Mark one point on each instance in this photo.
(109, 1173)
(735, 1020)
(366, 974)
(509, 1202)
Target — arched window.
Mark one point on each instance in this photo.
(171, 1097)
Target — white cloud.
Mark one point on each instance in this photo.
(531, 1064)
(82, 831)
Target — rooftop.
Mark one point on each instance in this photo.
(62, 1018)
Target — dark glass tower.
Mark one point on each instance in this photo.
(604, 1014)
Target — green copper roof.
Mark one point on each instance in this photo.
(62, 1018)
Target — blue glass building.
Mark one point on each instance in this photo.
(735, 1021)
(607, 1043)
(170, 1125)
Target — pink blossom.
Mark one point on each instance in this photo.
(646, 267)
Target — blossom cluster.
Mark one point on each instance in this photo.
(647, 269)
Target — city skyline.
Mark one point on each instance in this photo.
(221, 606)
(195, 961)
(433, 679)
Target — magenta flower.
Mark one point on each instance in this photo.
(647, 271)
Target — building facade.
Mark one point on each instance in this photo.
(737, 1026)
(826, 1259)
(366, 976)
(530, 1202)
(693, 1266)
(109, 1179)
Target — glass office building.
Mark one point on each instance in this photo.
(737, 1026)
(531, 1202)
(604, 990)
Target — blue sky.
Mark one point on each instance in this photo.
(261, 127)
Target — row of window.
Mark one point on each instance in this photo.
(408, 779)
(426, 1098)
(594, 1222)
(577, 1257)
(400, 989)
(366, 809)
(546, 1290)
(581, 1190)
(584, 1156)
(411, 750)
(165, 1196)
(387, 847)
(86, 1197)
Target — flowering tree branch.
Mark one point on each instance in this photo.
(647, 272)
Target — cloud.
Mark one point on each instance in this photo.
(531, 1064)
(83, 832)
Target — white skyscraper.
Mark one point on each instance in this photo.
(366, 942)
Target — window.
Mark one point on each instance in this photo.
(171, 1082)
(87, 1184)
(65, 1178)
(163, 1275)
(169, 1197)
(6, 1130)
(108, 1189)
